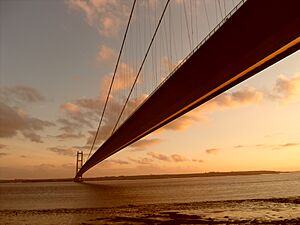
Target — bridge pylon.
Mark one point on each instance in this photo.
(79, 163)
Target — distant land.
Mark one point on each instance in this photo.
(158, 176)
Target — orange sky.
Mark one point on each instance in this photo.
(56, 62)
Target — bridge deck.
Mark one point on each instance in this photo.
(259, 34)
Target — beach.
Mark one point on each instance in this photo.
(256, 211)
(247, 199)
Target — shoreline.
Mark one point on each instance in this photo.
(250, 211)
(153, 176)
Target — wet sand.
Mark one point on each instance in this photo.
(257, 211)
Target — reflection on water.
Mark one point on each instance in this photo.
(133, 192)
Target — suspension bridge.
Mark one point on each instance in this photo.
(177, 55)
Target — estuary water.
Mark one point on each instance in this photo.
(116, 193)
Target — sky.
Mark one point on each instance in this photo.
(56, 62)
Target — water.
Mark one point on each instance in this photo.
(55, 195)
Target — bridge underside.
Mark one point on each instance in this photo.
(259, 34)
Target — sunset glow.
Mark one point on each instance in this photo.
(56, 63)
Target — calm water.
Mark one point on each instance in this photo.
(117, 193)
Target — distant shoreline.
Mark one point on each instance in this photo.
(158, 176)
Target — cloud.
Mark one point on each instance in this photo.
(21, 93)
(144, 143)
(282, 146)
(166, 158)
(245, 96)
(248, 95)
(89, 103)
(141, 160)
(73, 111)
(70, 107)
(79, 114)
(85, 8)
(110, 25)
(113, 163)
(87, 111)
(3, 154)
(99, 139)
(286, 88)
(198, 160)
(68, 126)
(184, 121)
(286, 145)
(212, 151)
(289, 145)
(239, 146)
(159, 156)
(32, 136)
(63, 151)
(106, 54)
(99, 4)
(118, 161)
(82, 148)
(64, 136)
(106, 16)
(124, 78)
(179, 158)
(225, 100)
(13, 120)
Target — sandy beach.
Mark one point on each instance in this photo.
(257, 211)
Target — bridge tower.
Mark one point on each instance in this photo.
(79, 163)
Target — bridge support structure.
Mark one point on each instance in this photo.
(79, 164)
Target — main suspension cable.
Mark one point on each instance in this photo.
(140, 69)
(113, 78)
